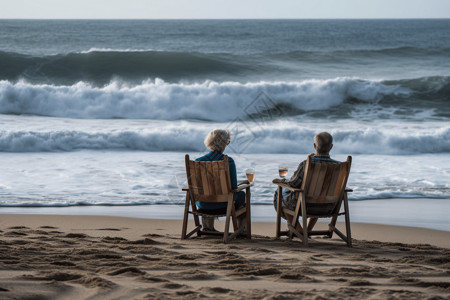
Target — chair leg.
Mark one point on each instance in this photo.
(333, 221)
(295, 220)
(196, 219)
(347, 221)
(234, 219)
(277, 232)
(227, 221)
(312, 222)
(248, 213)
(186, 217)
(305, 220)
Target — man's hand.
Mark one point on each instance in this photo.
(278, 180)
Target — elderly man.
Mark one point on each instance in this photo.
(323, 142)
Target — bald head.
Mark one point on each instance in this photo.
(323, 142)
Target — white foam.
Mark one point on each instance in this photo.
(114, 50)
(39, 134)
(136, 177)
(159, 100)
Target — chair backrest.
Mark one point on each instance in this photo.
(325, 182)
(209, 181)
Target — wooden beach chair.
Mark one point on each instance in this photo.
(322, 192)
(209, 181)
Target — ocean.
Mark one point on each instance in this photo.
(102, 112)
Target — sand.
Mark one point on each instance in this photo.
(90, 257)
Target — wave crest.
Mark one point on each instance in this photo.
(213, 101)
(269, 139)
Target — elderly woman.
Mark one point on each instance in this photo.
(216, 141)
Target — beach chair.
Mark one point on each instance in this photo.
(209, 181)
(322, 192)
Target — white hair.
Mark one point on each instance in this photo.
(217, 140)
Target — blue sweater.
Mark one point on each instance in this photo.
(214, 156)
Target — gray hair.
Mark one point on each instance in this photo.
(217, 140)
(323, 142)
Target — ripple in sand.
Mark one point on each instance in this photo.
(15, 233)
(154, 279)
(128, 271)
(360, 282)
(191, 275)
(217, 290)
(76, 235)
(108, 256)
(297, 277)
(63, 263)
(57, 276)
(174, 286)
(95, 282)
(113, 240)
(145, 241)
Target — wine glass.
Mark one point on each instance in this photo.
(250, 172)
(282, 170)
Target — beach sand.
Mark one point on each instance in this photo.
(93, 257)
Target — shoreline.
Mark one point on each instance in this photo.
(172, 227)
(410, 212)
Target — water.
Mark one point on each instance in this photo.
(102, 112)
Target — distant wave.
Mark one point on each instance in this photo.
(402, 52)
(99, 66)
(267, 139)
(114, 50)
(160, 100)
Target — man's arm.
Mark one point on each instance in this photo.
(296, 179)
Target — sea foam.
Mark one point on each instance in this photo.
(188, 137)
(209, 100)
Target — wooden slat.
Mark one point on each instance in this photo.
(216, 174)
(347, 172)
(327, 180)
(205, 184)
(341, 179)
(307, 173)
(319, 183)
(223, 180)
(315, 174)
(211, 178)
(333, 180)
(213, 198)
(192, 179)
(307, 176)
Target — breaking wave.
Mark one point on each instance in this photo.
(269, 139)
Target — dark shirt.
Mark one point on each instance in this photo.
(214, 156)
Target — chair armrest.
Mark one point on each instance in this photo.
(185, 189)
(241, 187)
(244, 182)
(283, 185)
(348, 190)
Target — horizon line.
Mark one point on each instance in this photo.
(228, 19)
